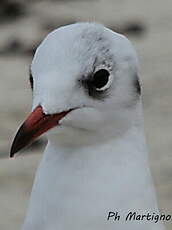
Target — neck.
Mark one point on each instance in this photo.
(76, 187)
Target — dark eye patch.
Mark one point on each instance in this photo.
(95, 82)
(137, 85)
(31, 80)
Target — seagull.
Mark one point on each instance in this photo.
(87, 99)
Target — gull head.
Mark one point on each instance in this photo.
(85, 85)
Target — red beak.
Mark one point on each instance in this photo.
(36, 124)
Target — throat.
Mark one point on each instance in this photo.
(79, 186)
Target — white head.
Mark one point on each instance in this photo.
(91, 70)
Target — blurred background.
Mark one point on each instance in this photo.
(23, 24)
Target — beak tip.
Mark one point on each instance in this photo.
(19, 141)
(12, 151)
(11, 155)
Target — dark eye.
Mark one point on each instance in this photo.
(31, 80)
(100, 79)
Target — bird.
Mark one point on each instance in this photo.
(87, 100)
